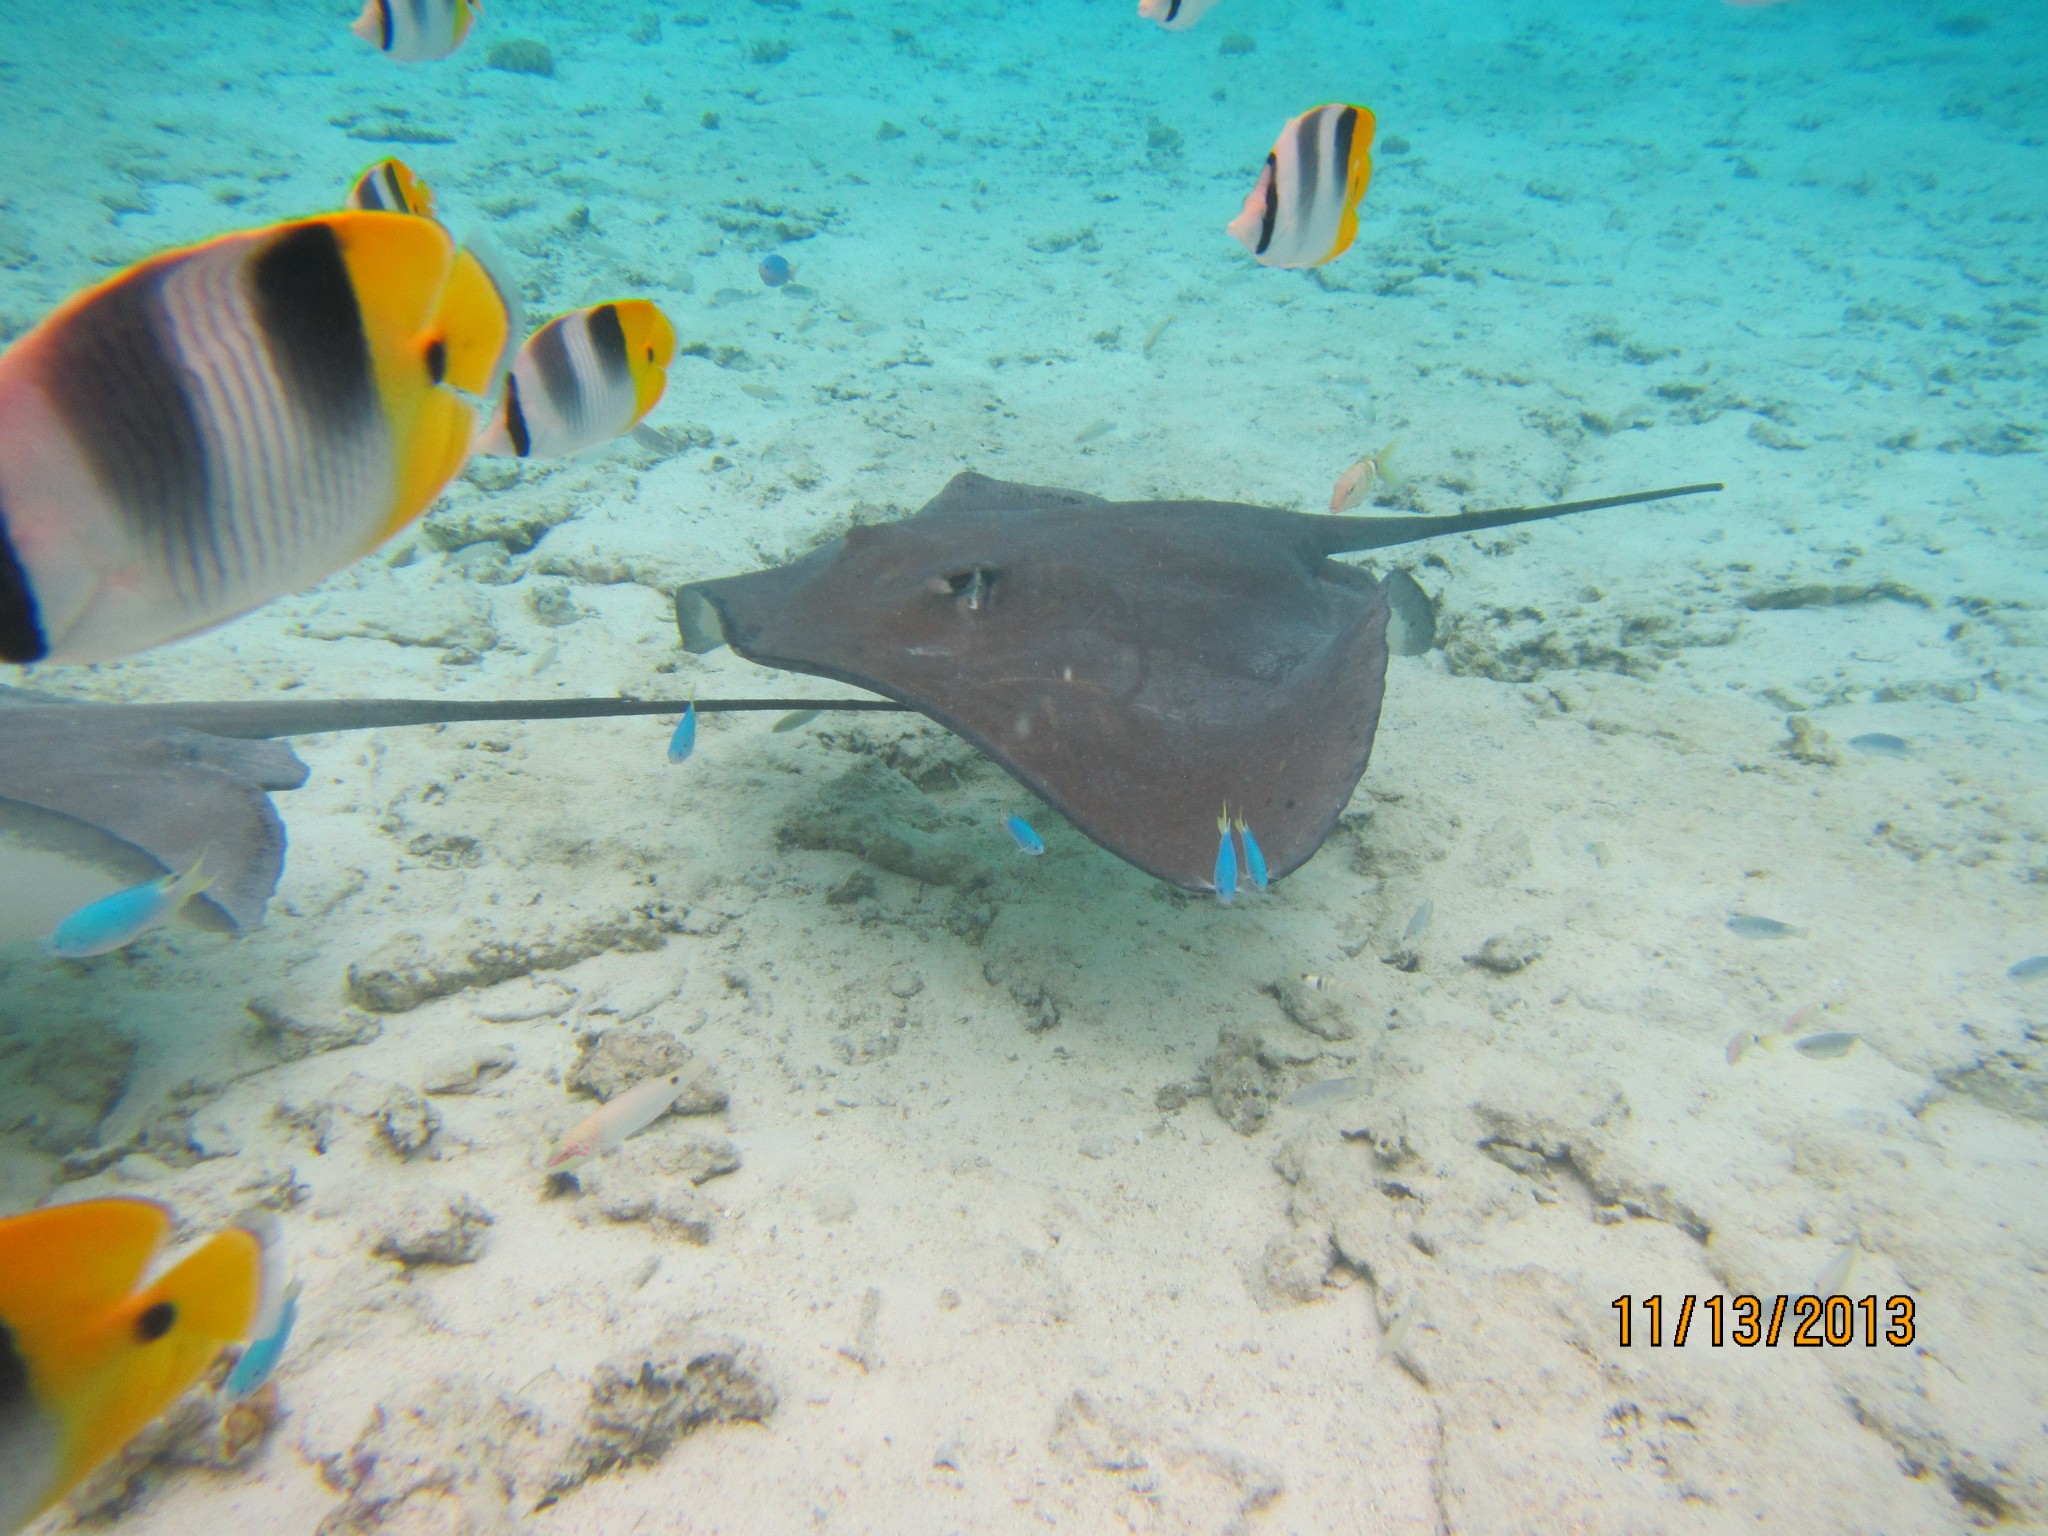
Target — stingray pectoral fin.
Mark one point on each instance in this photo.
(1344, 535)
(702, 626)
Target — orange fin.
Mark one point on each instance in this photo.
(1357, 178)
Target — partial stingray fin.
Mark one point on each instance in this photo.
(1344, 535)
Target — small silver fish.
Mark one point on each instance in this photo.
(1878, 744)
(1746, 927)
(1828, 1046)
(1418, 925)
(795, 720)
(1833, 1279)
(2029, 969)
(1320, 1095)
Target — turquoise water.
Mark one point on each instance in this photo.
(1037, 1217)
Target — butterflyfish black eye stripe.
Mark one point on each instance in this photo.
(124, 398)
(21, 640)
(608, 344)
(437, 360)
(310, 317)
(15, 1402)
(1272, 203)
(515, 418)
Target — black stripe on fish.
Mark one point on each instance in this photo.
(123, 394)
(384, 19)
(608, 343)
(17, 1399)
(1173, 11)
(1272, 203)
(392, 195)
(515, 418)
(1347, 129)
(557, 371)
(307, 308)
(1308, 157)
(21, 640)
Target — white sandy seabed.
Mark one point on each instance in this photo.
(991, 1259)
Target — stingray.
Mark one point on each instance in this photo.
(1141, 666)
(95, 797)
(1138, 665)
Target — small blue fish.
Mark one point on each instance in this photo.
(1026, 835)
(1879, 744)
(2029, 968)
(1254, 855)
(684, 742)
(116, 921)
(776, 270)
(260, 1359)
(1226, 859)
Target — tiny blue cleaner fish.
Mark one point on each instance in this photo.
(1226, 859)
(1254, 855)
(116, 921)
(259, 1360)
(1026, 835)
(684, 742)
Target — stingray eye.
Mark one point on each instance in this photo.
(971, 587)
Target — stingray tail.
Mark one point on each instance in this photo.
(1343, 535)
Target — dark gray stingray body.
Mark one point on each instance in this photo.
(93, 785)
(1139, 665)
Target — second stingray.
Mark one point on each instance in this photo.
(1139, 665)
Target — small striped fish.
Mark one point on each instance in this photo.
(584, 378)
(1304, 210)
(413, 31)
(390, 186)
(1174, 15)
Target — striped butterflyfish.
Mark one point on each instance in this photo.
(1174, 15)
(91, 1351)
(390, 186)
(413, 31)
(583, 378)
(226, 423)
(1304, 210)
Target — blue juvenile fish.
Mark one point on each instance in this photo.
(260, 1359)
(1226, 859)
(776, 270)
(684, 742)
(1026, 835)
(2029, 968)
(116, 921)
(1254, 855)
